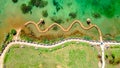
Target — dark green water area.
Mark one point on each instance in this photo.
(104, 13)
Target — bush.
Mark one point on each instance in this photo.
(96, 15)
(72, 15)
(113, 56)
(57, 5)
(43, 4)
(38, 3)
(55, 2)
(87, 38)
(111, 61)
(35, 2)
(106, 56)
(57, 20)
(25, 9)
(13, 32)
(44, 13)
(14, 1)
(7, 37)
(55, 28)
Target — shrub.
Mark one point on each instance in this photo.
(44, 13)
(111, 61)
(43, 4)
(34, 3)
(96, 15)
(87, 38)
(55, 28)
(106, 56)
(25, 9)
(72, 15)
(13, 32)
(57, 5)
(57, 20)
(7, 37)
(14, 1)
(38, 3)
(113, 56)
(55, 2)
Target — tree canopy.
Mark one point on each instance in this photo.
(13, 32)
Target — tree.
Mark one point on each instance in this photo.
(44, 13)
(72, 15)
(38, 3)
(25, 9)
(13, 32)
(14, 1)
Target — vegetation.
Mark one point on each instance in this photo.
(57, 20)
(43, 4)
(44, 41)
(44, 13)
(14, 1)
(72, 15)
(87, 38)
(26, 38)
(25, 9)
(113, 57)
(55, 28)
(57, 5)
(51, 38)
(13, 32)
(8, 38)
(96, 15)
(38, 3)
(69, 55)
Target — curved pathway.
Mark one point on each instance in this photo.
(38, 45)
(48, 46)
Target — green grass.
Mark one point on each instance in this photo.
(69, 55)
(115, 51)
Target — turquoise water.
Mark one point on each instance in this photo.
(104, 13)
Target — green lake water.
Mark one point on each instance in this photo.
(104, 13)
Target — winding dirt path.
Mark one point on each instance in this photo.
(65, 30)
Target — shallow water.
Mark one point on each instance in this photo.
(104, 13)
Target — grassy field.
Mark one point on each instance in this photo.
(113, 59)
(69, 55)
